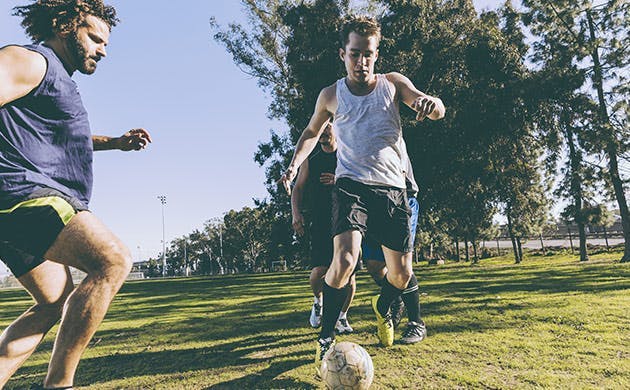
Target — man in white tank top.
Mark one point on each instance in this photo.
(369, 197)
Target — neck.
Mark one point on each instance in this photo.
(361, 89)
(61, 50)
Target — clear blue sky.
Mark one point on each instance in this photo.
(165, 73)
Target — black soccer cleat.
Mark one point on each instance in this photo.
(414, 333)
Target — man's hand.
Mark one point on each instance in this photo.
(135, 139)
(298, 223)
(424, 106)
(287, 179)
(327, 178)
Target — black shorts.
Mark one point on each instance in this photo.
(321, 244)
(380, 213)
(29, 228)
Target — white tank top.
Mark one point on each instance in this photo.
(369, 135)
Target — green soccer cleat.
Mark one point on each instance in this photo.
(384, 325)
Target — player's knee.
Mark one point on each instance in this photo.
(114, 263)
(318, 273)
(400, 279)
(375, 269)
(51, 311)
(346, 263)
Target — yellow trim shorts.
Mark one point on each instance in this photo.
(29, 228)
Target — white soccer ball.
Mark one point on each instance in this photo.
(347, 366)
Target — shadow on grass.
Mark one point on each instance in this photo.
(238, 355)
(246, 323)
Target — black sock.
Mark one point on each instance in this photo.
(411, 297)
(333, 302)
(388, 294)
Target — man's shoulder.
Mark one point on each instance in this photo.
(396, 77)
(22, 55)
(329, 92)
(22, 71)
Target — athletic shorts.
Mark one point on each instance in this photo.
(380, 213)
(321, 244)
(29, 228)
(372, 251)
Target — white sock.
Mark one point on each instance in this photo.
(342, 315)
(318, 300)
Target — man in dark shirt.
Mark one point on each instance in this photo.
(315, 181)
(46, 181)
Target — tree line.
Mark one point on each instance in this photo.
(537, 113)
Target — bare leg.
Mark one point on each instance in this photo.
(85, 243)
(346, 255)
(317, 280)
(352, 288)
(399, 267)
(49, 284)
(377, 270)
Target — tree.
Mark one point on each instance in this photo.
(595, 37)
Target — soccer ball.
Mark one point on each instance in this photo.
(347, 366)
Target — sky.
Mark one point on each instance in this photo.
(165, 73)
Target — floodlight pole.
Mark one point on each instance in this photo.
(162, 199)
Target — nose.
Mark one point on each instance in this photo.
(100, 50)
(362, 60)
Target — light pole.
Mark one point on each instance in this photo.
(162, 199)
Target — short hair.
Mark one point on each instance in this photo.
(362, 25)
(44, 18)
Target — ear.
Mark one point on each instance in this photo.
(376, 56)
(342, 54)
(55, 28)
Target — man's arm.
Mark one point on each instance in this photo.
(305, 145)
(426, 106)
(296, 198)
(21, 71)
(135, 139)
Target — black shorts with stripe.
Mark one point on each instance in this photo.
(29, 228)
(380, 213)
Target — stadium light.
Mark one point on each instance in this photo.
(162, 199)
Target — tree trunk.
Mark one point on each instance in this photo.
(576, 190)
(606, 239)
(457, 249)
(570, 237)
(520, 249)
(466, 250)
(517, 259)
(611, 145)
(542, 244)
(498, 248)
(475, 254)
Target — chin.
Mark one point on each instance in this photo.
(87, 69)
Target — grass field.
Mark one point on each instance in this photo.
(550, 322)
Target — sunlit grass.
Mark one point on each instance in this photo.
(550, 322)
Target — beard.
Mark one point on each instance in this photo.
(84, 63)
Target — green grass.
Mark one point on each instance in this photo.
(550, 322)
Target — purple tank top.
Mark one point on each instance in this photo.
(45, 138)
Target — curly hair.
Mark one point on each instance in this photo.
(45, 18)
(362, 25)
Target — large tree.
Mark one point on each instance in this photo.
(595, 38)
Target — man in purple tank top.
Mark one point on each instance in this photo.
(369, 198)
(46, 181)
